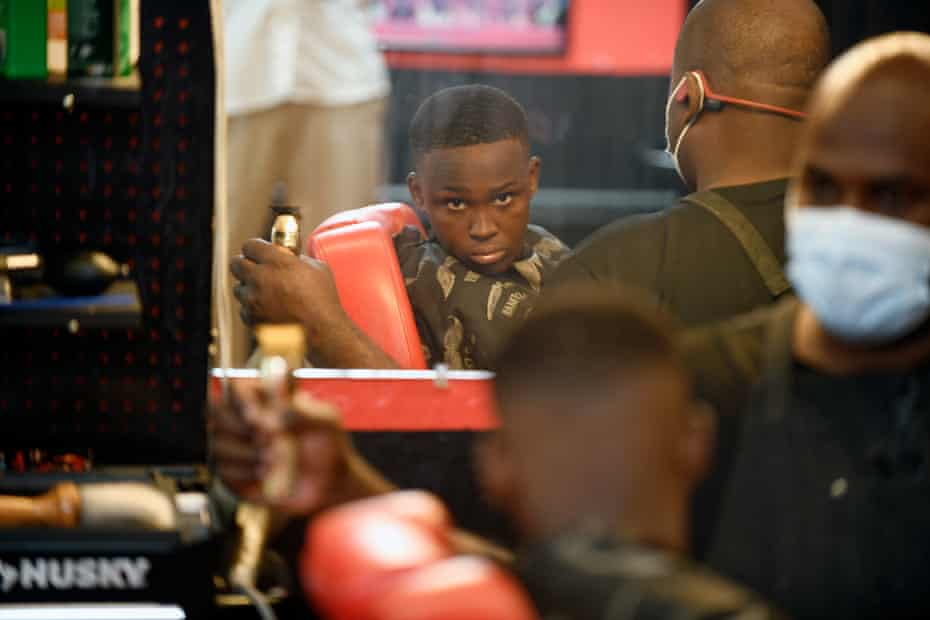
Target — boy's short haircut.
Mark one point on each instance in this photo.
(577, 342)
(466, 116)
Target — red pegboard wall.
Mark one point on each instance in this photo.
(131, 175)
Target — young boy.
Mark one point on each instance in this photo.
(481, 270)
(475, 278)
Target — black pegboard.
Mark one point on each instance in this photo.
(132, 176)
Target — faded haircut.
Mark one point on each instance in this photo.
(580, 340)
(466, 116)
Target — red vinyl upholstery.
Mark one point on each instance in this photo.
(393, 216)
(359, 249)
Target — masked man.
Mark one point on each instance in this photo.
(828, 481)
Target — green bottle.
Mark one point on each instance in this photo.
(23, 39)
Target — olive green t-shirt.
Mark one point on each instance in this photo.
(464, 317)
(684, 256)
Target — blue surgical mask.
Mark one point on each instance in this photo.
(866, 277)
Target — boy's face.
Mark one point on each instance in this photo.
(477, 199)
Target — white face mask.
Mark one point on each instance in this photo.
(865, 276)
(681, 136)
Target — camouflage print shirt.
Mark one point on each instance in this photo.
(462, 316)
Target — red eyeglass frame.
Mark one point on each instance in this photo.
(711, 96)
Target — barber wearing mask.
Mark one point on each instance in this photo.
(827, 501)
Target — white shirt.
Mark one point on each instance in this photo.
(321, 52)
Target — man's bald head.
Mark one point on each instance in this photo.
(865, 144)
(896, 67)
(773, 50)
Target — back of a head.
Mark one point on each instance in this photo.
(593, 402)
(893, 66)
(768, 50)
(580, 343)
(466, 116)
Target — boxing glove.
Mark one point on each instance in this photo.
(458, 588)
(356, 552)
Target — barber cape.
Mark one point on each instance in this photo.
(463, 317)
(580, 577)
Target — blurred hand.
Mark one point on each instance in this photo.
(245, 433)
(277, 287)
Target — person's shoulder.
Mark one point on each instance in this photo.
(727, 358)
(743, 332)
(542, 242)
(414, 253)
(584, 577)
(628, 227)
(699, 592)
(535, 234)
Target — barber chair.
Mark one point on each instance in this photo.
(358, 247)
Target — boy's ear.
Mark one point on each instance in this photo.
(535, 163)
(416, 192)
(495, 470)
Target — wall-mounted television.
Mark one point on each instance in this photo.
(471, 26)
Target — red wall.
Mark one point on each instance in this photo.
(605, 37)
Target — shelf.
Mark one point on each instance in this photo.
(120, 92)
(118, 307)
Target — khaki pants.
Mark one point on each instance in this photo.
(330, 158)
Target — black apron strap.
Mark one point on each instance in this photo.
(758, 251)
(779, 335)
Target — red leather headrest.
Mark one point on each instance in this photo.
(393, 216)
(371, 287)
